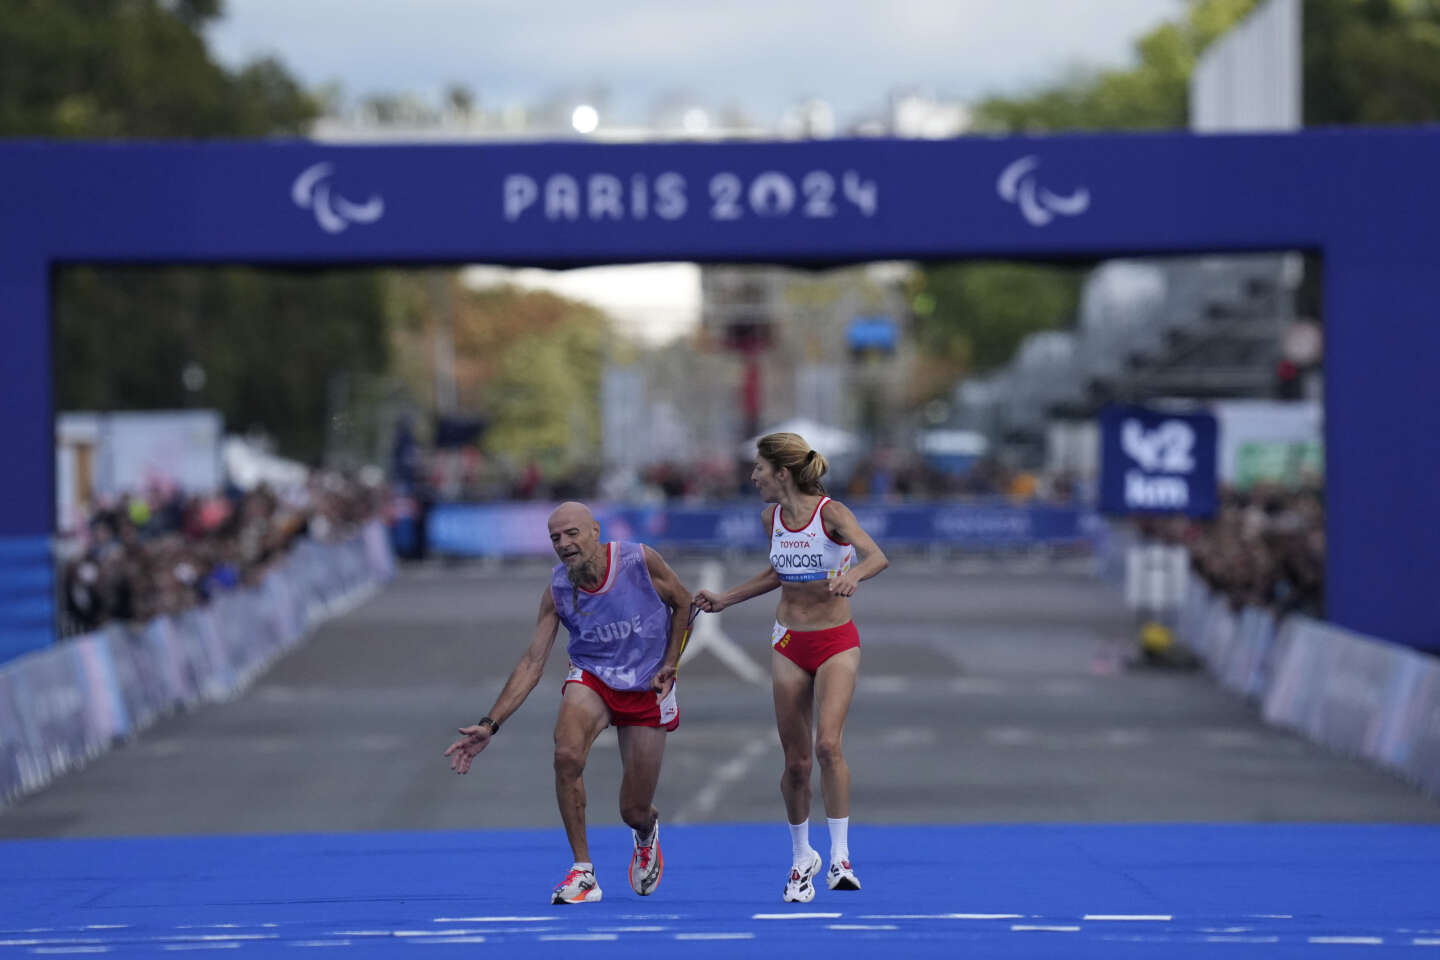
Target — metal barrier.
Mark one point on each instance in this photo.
(63, 705)
(1352, 693)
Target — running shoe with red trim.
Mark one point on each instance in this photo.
(842, 876)
(646, 864)
(579, 886)
(800, 887)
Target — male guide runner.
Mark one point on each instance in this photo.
(625, 610)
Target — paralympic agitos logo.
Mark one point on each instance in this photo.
(1019, 185)
(312, 191)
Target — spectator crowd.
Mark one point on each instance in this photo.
(1265, 546)
(162, 551)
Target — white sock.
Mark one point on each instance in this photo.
(586, 865)
(800, 843)
(839, 839)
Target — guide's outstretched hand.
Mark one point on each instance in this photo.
(465, 750)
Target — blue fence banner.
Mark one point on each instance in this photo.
(519, 529)
(1155, 462)
(1353, 693)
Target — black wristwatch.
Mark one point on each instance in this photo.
(494, 727)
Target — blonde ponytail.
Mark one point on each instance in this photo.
(790, 451)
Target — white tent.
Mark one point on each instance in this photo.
(833, 442)
(248, 467)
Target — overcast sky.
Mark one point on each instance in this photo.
(758, 55)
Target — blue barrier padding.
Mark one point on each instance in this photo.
(19, 551)
(27, 606)
(1150, 891)
(518, 529)
(26, 581)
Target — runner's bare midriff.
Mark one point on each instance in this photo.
(811, 606)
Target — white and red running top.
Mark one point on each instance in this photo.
(808, 553)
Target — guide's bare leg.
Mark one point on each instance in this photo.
(582, 716)
(641, 750)
(835, 688)
(794, 691)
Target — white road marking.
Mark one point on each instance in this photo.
(714, 936)
(1369, 941)
(70, 950)
(1128, 916)
(492, 919)
(208, 937)
(909, 737)
(732, 771)
(1121, 737)
(319, 943)
(883, 683)
(987, 686)
(580, 936)
(796, 916)
(941, 916)
(707, 635)
(475, 939)
(1235, 939)
(861, 926)
(1011, 736)
(1020, 927)
(202, 946)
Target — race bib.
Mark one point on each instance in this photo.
(780, 637)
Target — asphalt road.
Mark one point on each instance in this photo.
(988, 693)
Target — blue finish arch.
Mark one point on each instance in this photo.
(1367, 200)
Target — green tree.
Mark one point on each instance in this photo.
(526, 362)
(972, 316)
(1151, 94)
(1371, 62)
(269, 342)
(133, 68)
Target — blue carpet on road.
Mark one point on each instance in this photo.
(985, 891)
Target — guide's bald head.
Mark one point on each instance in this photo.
(575, 537)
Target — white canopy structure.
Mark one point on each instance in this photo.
(833, 442)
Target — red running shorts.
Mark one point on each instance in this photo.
(807, 649)
(630, 708)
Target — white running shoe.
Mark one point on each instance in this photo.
(646, 864)
(800, 888)
(579, 886)
(842, 876)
